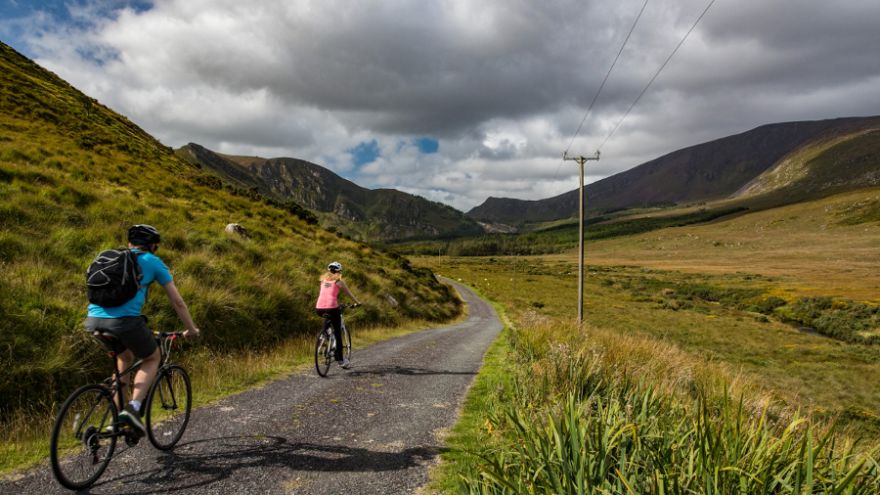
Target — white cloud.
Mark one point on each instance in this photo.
(502, 85)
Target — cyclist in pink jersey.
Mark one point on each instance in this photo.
(328, 304)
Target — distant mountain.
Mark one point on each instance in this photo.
(783, 162)
(367, 214)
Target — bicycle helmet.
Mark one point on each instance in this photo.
(142, 234)
(334, 267)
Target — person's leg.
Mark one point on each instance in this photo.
(123, 361)
(144, 377)
(138, 338)
(336, 321)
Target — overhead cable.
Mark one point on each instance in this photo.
(628, 110)
(598, 91)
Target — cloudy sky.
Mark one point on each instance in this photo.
(457, 100)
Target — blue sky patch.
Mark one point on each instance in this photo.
(365, 153)
(427, 145)
(15, 25)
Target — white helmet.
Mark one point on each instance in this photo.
(335, 267)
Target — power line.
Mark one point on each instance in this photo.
(598, 91)
(628, 110)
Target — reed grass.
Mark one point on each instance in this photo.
(589, 412)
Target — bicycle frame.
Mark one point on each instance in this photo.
(328, 326)
(114, 383)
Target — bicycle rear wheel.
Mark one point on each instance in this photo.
(323, 353)
(83, 437)
(169, 404)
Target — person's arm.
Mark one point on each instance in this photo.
(181, 310)
(347, 291)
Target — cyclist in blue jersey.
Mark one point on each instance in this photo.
(129, 326)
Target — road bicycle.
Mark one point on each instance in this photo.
(87, 426)
(325, 343)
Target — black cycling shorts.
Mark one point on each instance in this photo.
(130, 331)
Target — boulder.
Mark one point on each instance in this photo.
(234, 228)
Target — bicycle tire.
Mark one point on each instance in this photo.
(323, 353)
(346, 343)
(85, 416)
(169, 405)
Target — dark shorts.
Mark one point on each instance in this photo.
(130, 331)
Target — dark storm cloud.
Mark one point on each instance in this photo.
(502, 85)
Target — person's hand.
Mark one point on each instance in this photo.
(195, 332)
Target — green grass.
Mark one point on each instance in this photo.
(473, 430)
(561, 236)
(558, 409)
(831, 377)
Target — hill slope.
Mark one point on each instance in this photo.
(74, 174)
(710, 171)
(380, 214)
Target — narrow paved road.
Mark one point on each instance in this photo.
(373, 429)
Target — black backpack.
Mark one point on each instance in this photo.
(113, 278)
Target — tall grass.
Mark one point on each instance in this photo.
(589, 411)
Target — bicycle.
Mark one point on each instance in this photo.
(325, 344)
(87, 426)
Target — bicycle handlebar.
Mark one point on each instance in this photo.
(166, 335)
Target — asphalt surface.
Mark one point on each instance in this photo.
(373, 429)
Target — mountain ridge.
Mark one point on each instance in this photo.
(712, 170)
(376, 214)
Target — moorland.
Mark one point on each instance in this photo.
(764, 323)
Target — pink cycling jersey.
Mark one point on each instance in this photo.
(328, 299)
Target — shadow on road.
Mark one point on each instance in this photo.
(402, 370)
(208, 461)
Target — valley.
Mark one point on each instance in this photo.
(697, 318)
(733, 285)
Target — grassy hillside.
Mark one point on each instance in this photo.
(826, 247)
(74, 175)
(833, 165)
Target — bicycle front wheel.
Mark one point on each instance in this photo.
(346, 343)
(323, 353)
(169, 404)
(83, 437)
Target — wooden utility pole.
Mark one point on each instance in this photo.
(581, 160)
